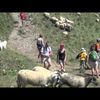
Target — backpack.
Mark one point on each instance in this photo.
(93, 56)
(83, 55)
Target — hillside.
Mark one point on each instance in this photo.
(85, 31)
(22, 52)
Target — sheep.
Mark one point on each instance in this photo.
(33, 77)
(78, 13)
(62, 19)
(57, 24)
(55, 74)
(97, 15)
(68, 27)
(75, 81)
(3, 45)
(54, 19)
(97, 20)
(69, 21)
(62, 26)
(47, 15)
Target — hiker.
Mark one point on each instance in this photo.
(22, 17)
(97, 47)
(40, 43)
(61, 56)
(93, 61)
(46, 52)
(83, 59)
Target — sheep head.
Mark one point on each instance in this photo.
(56, 78)
(89, 80)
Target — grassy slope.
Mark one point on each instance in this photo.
(10, 61)
(86, 30)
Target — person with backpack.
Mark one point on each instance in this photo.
(93, 61)
(83, 59)
(46, 52)
(40, 44)
(61, 56)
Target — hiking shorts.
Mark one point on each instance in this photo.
(61, 61)
(46, 59)
(93, 64)
(39, 47)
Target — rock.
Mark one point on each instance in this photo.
(65, 33)
(4, 72)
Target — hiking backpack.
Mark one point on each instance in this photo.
(93, 56)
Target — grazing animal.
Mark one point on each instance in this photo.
(37, 78)
(75, 81)
(3, 45)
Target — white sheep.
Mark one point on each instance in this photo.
(62, 26)
(57, 23)
(68, 27)
(3, 45)
(75, 81)
(47, 15)
(37, 77)
(62, 19)
(97, 15)
(78, 13)
(54, 74)
(54, 19)
(69, 21)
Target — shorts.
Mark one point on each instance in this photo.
(61, 61)
(39, 47)
(93, 64)
(46, 59)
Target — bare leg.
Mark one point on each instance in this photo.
(44, 65)
(61, 65)
(49, 63)
(97, 71)
(92, 72)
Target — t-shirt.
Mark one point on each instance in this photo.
(46, 51)
(23, 16)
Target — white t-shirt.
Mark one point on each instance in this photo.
(46, 52)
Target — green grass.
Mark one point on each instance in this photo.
(6, 26)
(12, 62)
(86, 30)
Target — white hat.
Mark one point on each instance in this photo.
(82, 49)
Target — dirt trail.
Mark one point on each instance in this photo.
(25, 43)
